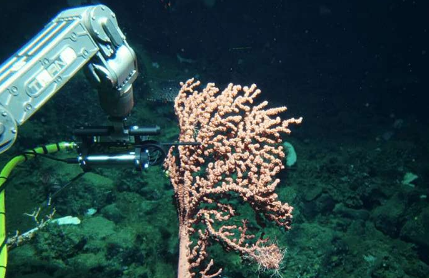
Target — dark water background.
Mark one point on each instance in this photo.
(357, 71)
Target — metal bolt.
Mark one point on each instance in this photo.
(14, 90)
(28, 107)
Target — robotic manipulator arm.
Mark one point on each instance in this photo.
(74, 38)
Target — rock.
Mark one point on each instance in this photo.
(416, 229)
(113, 213)
(387, 217)
(354, 214)
(322, 205)
(312, 193)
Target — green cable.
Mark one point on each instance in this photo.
(4, 174)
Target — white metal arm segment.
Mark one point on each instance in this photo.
(76, 37)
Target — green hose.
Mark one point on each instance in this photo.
(4, 174)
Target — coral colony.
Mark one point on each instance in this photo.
(239, 155)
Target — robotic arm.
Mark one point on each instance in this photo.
(74, 38)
